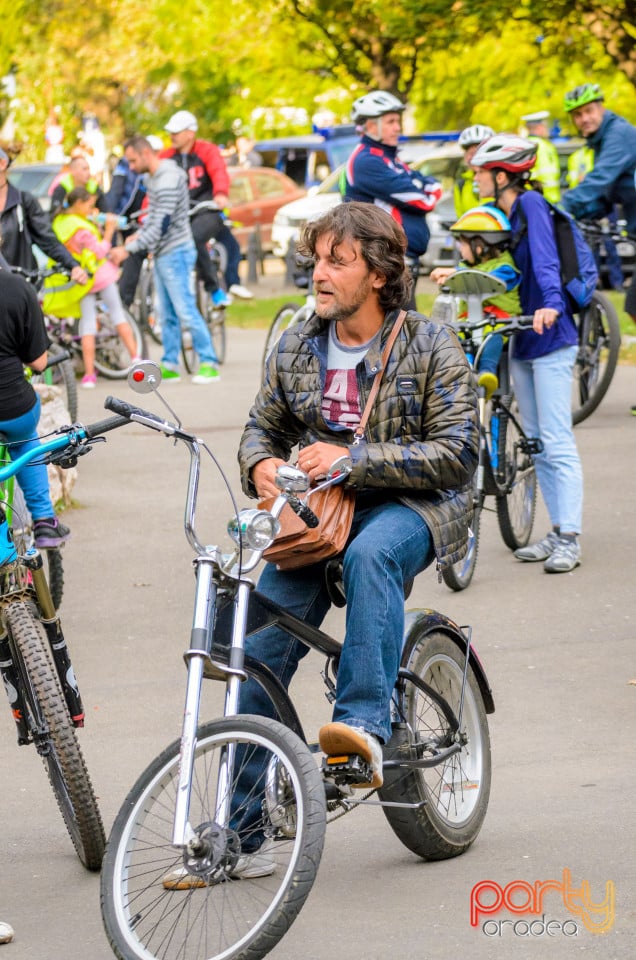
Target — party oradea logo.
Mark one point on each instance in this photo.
(534, 908)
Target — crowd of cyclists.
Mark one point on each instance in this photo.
(504, 226)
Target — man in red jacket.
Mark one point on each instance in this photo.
(208, 179)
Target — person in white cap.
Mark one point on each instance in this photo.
(547, 168)
(208, 179)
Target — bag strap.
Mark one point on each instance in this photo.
(358, 435)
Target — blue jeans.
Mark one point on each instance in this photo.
(22, 436)
(177, 306)
(389, 544)
(543, 388)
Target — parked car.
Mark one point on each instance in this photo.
(309, 159)
(256, 193)
(440, 162)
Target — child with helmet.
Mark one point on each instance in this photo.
(483, 236)
(465, 195)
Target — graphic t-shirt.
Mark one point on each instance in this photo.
(341, 398)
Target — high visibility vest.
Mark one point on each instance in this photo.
(69, 184)
(62, 297)
(547, 169)
(579, 164)
(464, 193)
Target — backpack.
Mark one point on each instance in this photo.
(579, 272)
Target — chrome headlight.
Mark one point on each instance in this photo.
(252, 528)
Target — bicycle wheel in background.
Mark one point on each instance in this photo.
(453, 795)
(22, 526)
(145, 299)
(112, 359)
(599, 345)
(214, 914)
(53, 733)
(516, 479)
(287, 316)
(215, 319)
(62, 375)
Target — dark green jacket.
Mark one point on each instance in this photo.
(422, 435)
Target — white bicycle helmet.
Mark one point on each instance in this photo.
(506, 152)
(471, 136)
(374, 105)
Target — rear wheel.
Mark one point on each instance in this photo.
(459, 575)
(452, 795)
(112, 359)
(216, 915)
(599, 345)
(515, 476)
(287, 316)
(54, 736)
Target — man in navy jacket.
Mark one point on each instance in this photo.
(374, 174)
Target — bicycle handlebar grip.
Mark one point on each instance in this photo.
(59, 358)
(127, 410)
(307, 515)
(103, 426)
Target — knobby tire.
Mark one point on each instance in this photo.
(55, 736)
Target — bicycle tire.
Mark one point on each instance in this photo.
(516, 480)
(22, 525)
(215, 319)
(148, 314)
(61, 375)
(112, 359)
(453, 795)
(287, 316)
(54, 735)
(458, 575)
(236, 920)
(599, 346)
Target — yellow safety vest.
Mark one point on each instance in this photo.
(547, 169)
(579, 164)
(62, 297)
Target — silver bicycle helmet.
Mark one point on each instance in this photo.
(471, 136)
(506, 152)
(374, 105)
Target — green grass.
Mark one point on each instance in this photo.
(258, 314)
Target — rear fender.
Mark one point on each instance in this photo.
(419, 623)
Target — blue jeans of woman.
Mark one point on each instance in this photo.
(389, 544)
(177, 306)
(543, 388)
(22, 436)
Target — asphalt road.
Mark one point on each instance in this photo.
(559, 652)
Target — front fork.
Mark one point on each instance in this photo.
(198, 655)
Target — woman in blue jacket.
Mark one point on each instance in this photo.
(543, 357)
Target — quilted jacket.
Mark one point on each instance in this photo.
(421, 439)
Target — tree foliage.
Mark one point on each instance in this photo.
(454, 61)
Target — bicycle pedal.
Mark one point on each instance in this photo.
(347, 768)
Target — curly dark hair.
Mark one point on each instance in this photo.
(382, 242)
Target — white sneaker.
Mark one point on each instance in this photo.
(339, 739)
(6, 932)
(248, 867)
(238, 290)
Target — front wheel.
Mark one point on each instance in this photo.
(599, 345)
(61, 374)
(54, 736)
(215, 319)
(228, 909)
(515, 477)
(452, 795)
(112, 359)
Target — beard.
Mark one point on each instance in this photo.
(340, 309)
